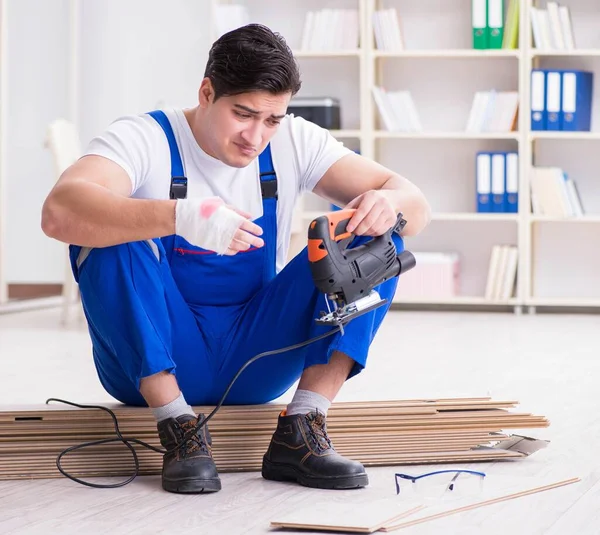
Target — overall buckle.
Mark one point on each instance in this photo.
(268, 188)
(178, 187)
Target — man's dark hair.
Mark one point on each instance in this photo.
(252, 58)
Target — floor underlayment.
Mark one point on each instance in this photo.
(550, 363)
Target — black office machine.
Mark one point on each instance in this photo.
(323, 111)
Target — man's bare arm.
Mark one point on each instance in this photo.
(354, 177)
(90, 206)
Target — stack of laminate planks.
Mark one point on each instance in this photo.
(372, 432)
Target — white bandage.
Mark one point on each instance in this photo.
(206, 222)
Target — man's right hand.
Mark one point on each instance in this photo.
(209, 223)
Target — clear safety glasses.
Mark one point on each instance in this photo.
(441, 484)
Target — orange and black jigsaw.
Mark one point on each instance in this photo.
(348, 276)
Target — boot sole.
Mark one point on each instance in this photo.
(283, 472)
(191, 486)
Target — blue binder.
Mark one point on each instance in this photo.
(498, 181)
(538, 99)
(483, 181)
(511, 187)
(553, 100)
(578, 87)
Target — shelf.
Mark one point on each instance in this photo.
(564, 301)
(474, 216)
(384, 134)
(561, 135)
(326, 53)
(549, 219)
(345, 133)
(23, 305)
(459, 300)
(448, 53)
(588, 52)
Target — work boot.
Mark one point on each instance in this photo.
(189, 469)
(301, 451)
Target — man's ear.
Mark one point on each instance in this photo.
(206, 93)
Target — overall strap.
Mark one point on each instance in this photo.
(268, 188)
(178, 189)
(268, 178)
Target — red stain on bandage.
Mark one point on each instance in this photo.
(208, 207)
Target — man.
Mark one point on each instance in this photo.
(184, 282)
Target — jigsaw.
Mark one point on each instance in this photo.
(348, 276)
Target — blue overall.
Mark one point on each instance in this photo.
(169, 305)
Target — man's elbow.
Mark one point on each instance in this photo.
(52, 219)
(420, 217)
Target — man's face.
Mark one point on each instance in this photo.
(242, 125)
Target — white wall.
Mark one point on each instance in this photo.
(133, 54)
(37, 86)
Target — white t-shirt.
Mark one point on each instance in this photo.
(302, 152)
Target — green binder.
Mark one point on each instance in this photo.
(495, 23)
(479, 23)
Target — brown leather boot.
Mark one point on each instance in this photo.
(189, 469)
(301, 451)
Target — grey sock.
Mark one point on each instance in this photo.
(175, 408)
(305, 401)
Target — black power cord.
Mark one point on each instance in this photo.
(127, 441)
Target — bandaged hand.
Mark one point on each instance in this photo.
(209, 223)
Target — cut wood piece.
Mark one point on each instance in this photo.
(442, 511)
(336, 516)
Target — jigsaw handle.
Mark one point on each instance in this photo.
(328, 228)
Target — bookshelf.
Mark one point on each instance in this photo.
(440, 158)
(558, 264)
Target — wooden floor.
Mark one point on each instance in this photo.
(551, 363)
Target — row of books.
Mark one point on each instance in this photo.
(497, 182)
(491, 30)
(397, 110)
(493, 111)
(502, 273)
(561, 99)
(331, 29)
(552, 27)
(386, 27)
(554, 193)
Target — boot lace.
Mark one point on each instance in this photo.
(195, 442)
(318, 430)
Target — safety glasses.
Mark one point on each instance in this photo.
(440, 484)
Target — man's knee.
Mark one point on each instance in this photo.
(144, 251)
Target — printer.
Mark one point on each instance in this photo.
(323, 111)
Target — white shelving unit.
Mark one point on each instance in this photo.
(441, 159)
(559, 264)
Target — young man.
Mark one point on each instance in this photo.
(182, 283)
